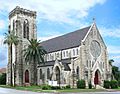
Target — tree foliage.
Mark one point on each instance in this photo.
(116, 73)
(10, 39)
(3, 79)
(34, 52)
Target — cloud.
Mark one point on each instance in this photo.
(47, 38)
(49, 35)
(62, 11)
(110, 32)
(2, 24)
(2, 57)
(113, 49)
(2, 41)
(114, 52)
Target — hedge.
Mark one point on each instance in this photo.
(106, 84)
(81, 84)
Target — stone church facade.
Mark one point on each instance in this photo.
(81, 54)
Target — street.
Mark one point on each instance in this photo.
(13, 91)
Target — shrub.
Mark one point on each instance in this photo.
(81, 84)
(114, 84)
(3, 79)
(46, 87)
(55, 87)
(68, 86)
(106, 84)
(119, 83)
(90, 85)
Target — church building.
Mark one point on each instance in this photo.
(81, 54)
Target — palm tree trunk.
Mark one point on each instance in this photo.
(35, 72)
(11, 83)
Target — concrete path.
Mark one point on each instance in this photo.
(13, 91)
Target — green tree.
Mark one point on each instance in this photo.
(116, 72)
(3, 79)
(34, 54)
(111, 61)
(11, 39)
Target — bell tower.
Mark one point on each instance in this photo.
(23, 23)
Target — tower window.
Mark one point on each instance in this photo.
(26, 29)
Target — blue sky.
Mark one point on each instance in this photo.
(58, 17)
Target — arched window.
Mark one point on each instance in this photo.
(26, 29)
(40, 73)
(77, 72)
(48, 73)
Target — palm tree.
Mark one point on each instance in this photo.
(10, 39)
(34, 54)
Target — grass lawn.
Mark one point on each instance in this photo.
(38, 89)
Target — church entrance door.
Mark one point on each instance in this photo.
(58, 75)
(96, 79)
(26, 76)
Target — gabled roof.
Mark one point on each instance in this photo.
(69, 40)
(65, 63)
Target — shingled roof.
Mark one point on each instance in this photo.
(69, 40)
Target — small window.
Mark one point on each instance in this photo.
(103, 64)
(67, 53)
(73, 52)
(57, 55)
(87, 63)
(63, 53)
(77, 51)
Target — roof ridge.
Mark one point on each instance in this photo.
(69, 40)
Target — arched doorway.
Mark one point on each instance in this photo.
(26, 76)
(57, 74)
(96, 78)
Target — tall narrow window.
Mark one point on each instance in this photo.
(13, 25)
(40, 73)
(26, 29)
(48, 73)
(77, 72)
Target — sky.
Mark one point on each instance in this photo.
(58, 17)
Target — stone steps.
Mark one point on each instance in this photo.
(99, 87)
